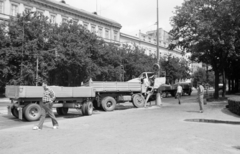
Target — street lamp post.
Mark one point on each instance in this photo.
(23, 39)
(37, 63)
(158, 95)
(21, 69)
(158, 57)
(37, 72)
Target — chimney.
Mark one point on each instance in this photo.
(62, 1)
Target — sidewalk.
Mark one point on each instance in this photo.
(150, 130)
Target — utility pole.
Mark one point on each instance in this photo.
(158, 95)
(37, 72)
(96, 6)
(158, 57)
(21, 67)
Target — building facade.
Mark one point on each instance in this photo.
(59, 12)
(148, 42)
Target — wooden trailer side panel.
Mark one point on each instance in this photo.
(116, 86)
(16, 92)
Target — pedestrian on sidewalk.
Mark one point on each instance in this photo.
(46, 107)
(179, 93)
(200, 90)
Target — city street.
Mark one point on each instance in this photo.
(9, 121)
(128, 130)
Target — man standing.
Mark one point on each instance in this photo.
(46, 107)
(200, 96)
(179, 93)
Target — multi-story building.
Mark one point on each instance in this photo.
(59, 11)
(148, 42)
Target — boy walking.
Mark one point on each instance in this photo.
(46, 107)
(179, 93)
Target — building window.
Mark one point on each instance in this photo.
(106, 33)
(115, 35)
(93, 28)
(1, 7)
(14, 9)
(100, 31)
(39, 12)
(85, 24)
(75, 22)
(27, 9)
(52, 18)
(64, 20)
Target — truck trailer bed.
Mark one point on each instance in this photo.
(17, 92)
(101, 86)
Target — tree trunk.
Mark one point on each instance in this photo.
(237, 85)
(229, 84)
(224, 83)
(216, 95)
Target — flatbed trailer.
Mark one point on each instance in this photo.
(108, 94)
(25, 100)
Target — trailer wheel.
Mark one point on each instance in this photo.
(62, 110)
(138, 100)
(14, 112)
(32, 112)
(87, 108)
(108, 103)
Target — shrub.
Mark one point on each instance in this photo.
(234, 105)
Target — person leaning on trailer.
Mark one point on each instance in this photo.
(46, 107)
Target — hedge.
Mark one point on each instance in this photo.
(234, 105)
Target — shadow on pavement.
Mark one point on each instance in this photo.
(124, 107)
(193, 111)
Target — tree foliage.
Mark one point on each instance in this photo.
(175, 68)
(209, 30)
(201, 75)
(66, 54)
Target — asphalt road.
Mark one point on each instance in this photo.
(9, 121)
(129, 130)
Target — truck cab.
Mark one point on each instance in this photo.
(141, 76)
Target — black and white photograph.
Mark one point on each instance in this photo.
(119, 76)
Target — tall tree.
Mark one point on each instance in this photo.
(207, 29)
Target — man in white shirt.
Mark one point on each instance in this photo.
(179, 93)
(200, 90)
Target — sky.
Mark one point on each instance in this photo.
(133, 15)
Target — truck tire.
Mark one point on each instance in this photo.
(32, 112)
(14, 112)
(138, 100)
(62, 110)
(87, 108)
(108, 103)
